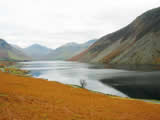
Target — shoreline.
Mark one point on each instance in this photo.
(13, 69)
(28, 98)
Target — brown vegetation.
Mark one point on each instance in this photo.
(25, 98)
(16, 71)
(117, 52)
(6, 63)
(157, 61)
(77, 57)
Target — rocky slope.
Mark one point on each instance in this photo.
(137, 43)
(68, 50)
(8, 52)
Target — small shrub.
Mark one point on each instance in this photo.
(83, 83)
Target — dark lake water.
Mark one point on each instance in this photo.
(126, 81)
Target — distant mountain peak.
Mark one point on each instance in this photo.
(3, 41)
(68, 50)
(8, 52)
(37, 45)
(71, 44)
(4, 44)
(37, 51)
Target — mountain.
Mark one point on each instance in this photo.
(68, 50)
(17, 47)
(37, 51)
(137, 43)
(8, 52)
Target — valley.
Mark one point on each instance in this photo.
(114, 77)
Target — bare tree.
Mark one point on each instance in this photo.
(83, 83)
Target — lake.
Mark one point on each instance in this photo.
(125, 81)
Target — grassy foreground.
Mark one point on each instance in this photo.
(27, 98)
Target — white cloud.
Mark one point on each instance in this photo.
(56, 22)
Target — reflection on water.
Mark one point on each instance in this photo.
(144, 85)
(101, 78)
(72, 73)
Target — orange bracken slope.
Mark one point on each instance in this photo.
(25, 98)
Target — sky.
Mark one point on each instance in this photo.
(56, 22)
